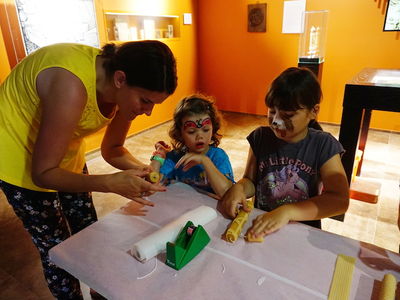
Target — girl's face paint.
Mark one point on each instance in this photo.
(197, 132)
(280, 122)
(290, 126)
(197, 123)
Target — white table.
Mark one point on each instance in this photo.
(297, 262)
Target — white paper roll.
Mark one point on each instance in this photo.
(156, 242)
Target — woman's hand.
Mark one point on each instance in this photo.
(142, 168)
(190, 160)
(132, 185)
(270, 221)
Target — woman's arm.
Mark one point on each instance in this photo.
(63, 98)
(112, 146)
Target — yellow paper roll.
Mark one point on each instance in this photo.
(234, 230)
(253, 239)
(342, 278)
(153, 177)
(237, 224)
(388, 287)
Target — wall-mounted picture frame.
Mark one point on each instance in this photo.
(392, 17)
(257, 17)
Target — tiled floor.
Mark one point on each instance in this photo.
(20, 270)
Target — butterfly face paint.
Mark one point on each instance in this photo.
(197, 123)
(197, 131)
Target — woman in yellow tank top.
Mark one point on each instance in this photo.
(53, 99)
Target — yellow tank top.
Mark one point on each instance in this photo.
(20, 111)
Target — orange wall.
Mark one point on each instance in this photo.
(184, 49)
(237, 66)
(4, 65)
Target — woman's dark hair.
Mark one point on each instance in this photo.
(146, 64)
(293, 89)
(193, 105)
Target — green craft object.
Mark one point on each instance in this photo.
(190, 241)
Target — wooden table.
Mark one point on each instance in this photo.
(371, 89)
(296, 262)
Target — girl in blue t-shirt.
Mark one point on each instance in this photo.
(288, 162)
(195, 158)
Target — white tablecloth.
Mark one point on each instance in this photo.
(296, 262)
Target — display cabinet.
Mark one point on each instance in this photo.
(124, 26)
(313, 37)
(312, 41)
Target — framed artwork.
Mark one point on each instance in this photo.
(392, 18)
(256, 17)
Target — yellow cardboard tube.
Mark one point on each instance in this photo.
(253, 239)
(342, 278)
(388, 287)
(237, 224)
(153, 177)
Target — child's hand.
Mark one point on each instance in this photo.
(231, 200)
(162, 148)
(269, 222)
(162, 145)
(190, 160)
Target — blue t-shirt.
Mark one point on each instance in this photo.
(196, 176)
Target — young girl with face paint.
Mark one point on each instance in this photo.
(289, 161)
(195, 158)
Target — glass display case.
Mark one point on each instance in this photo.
(123, 26)
(313, 38)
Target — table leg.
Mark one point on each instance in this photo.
(363, 136)
(348, 137)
